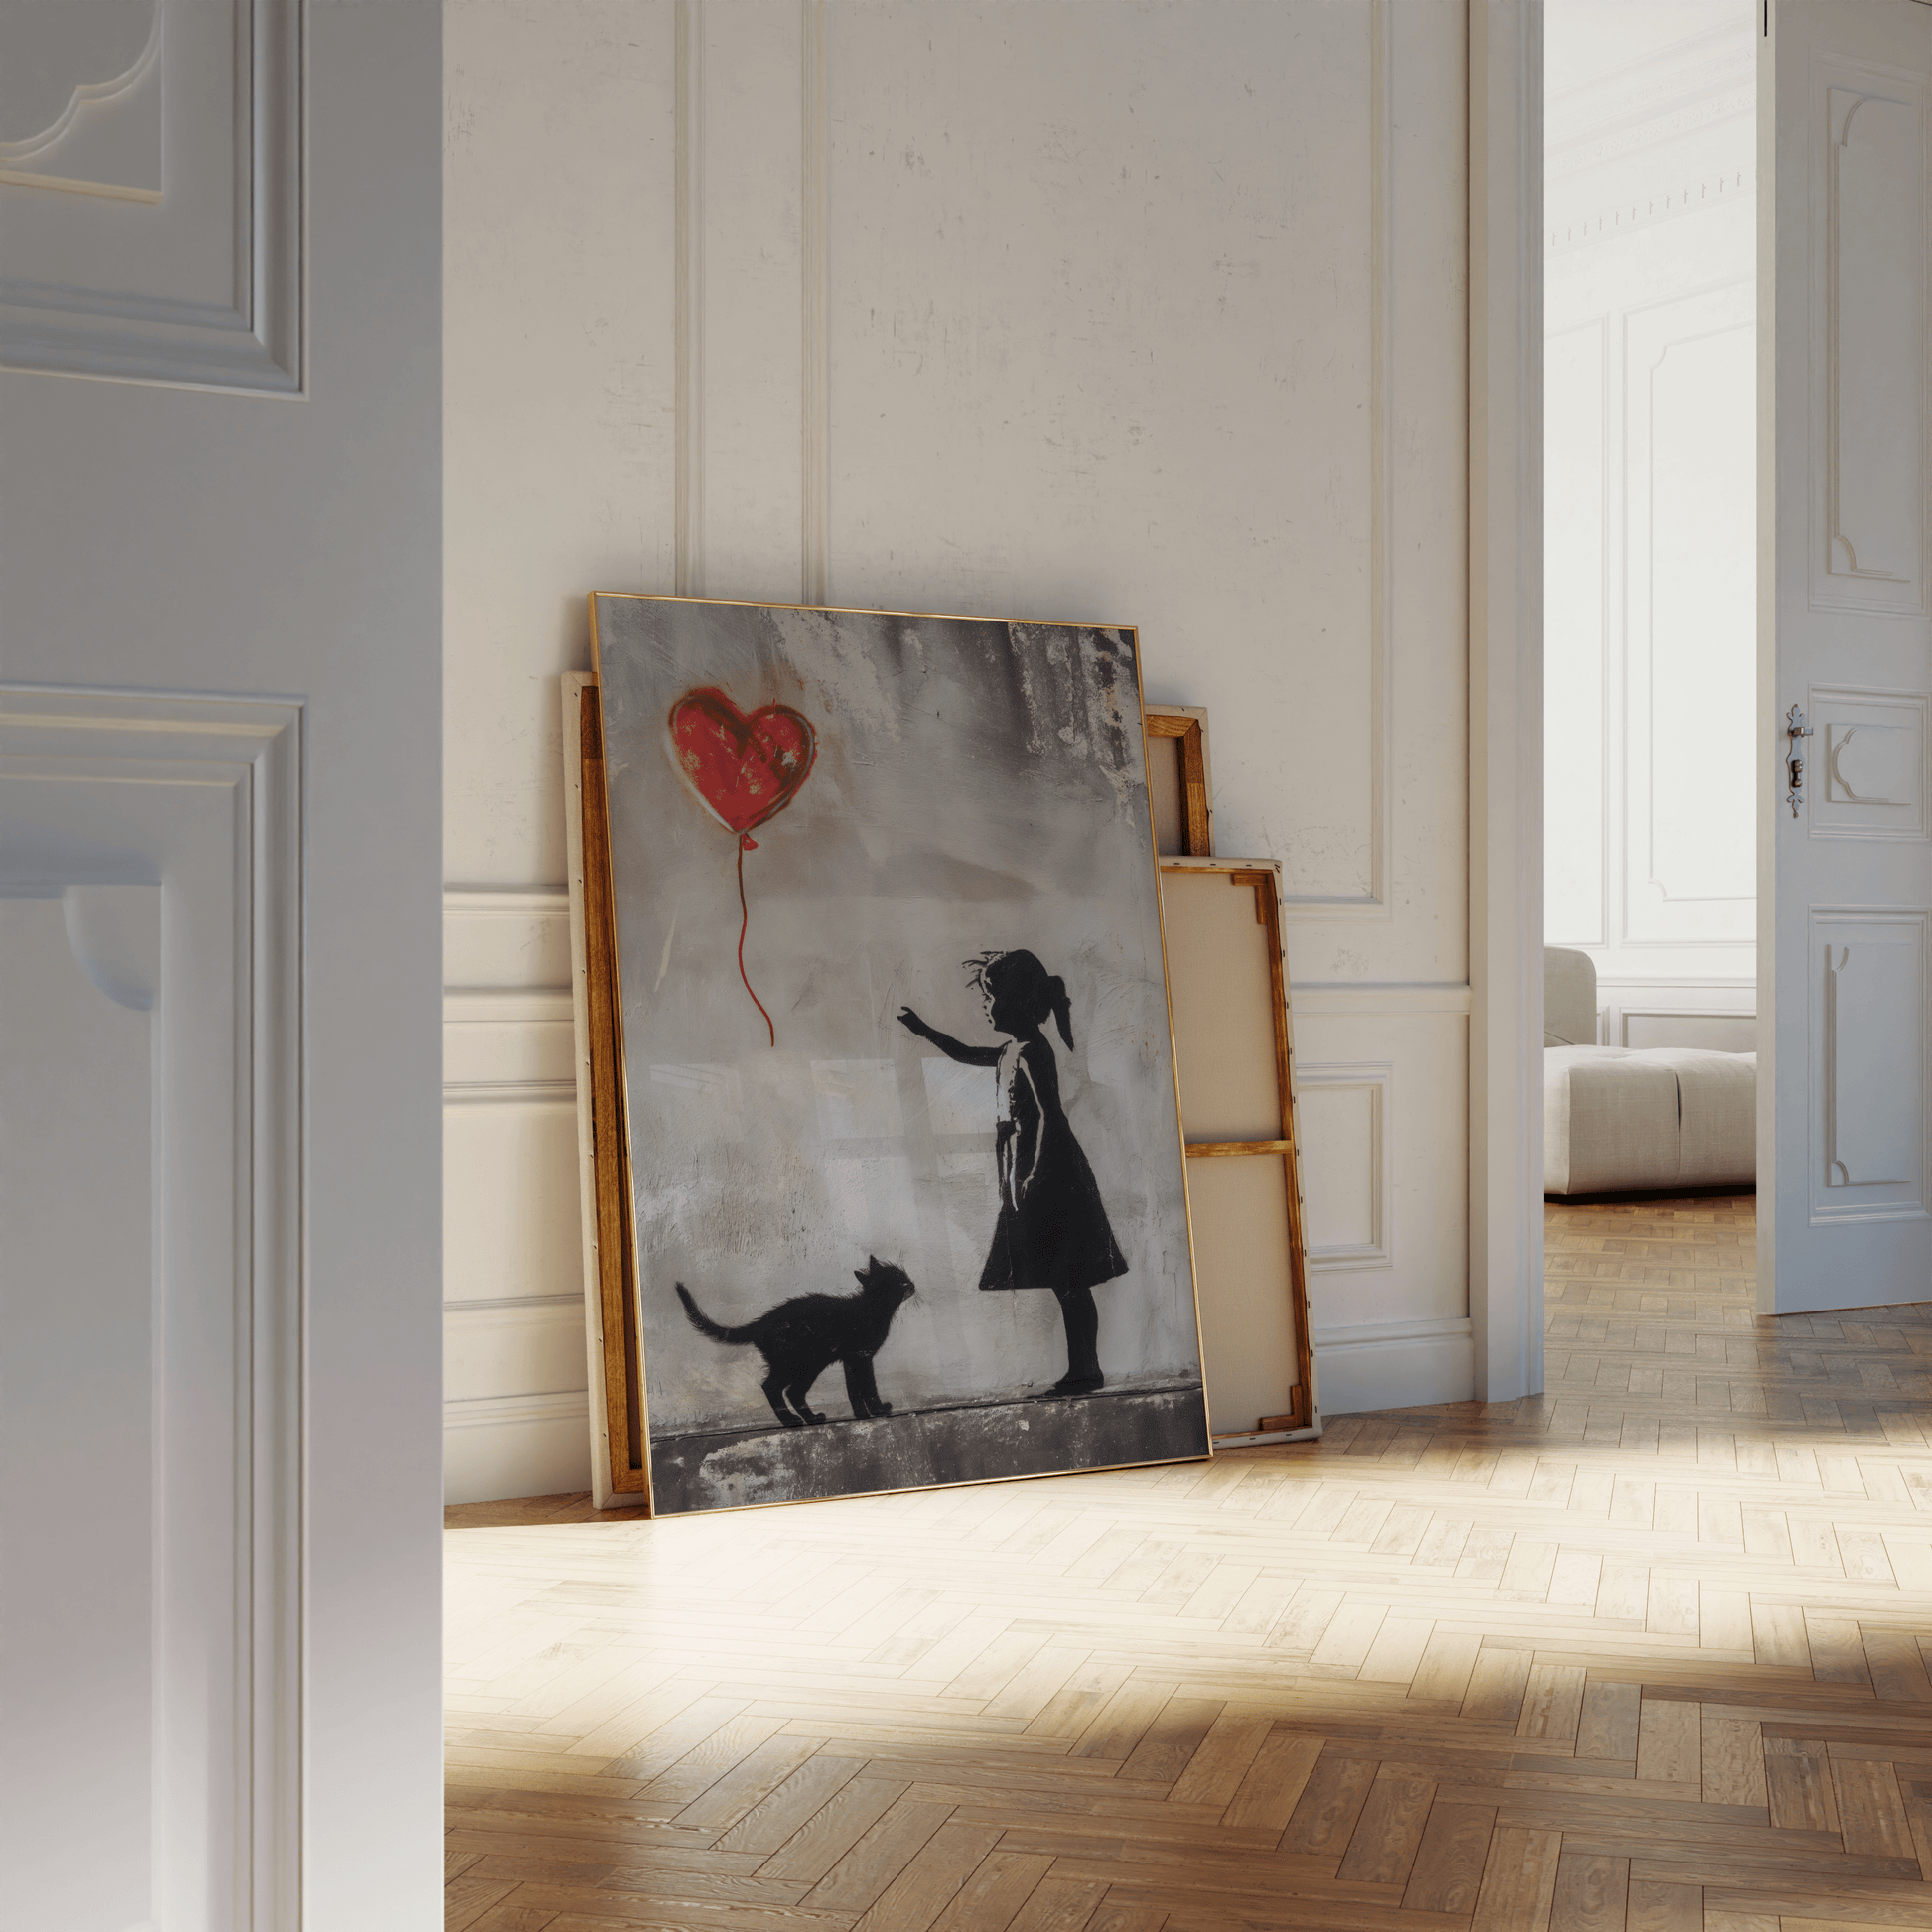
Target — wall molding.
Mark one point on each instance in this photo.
(1638, 916)
(509, 1093)
(1375, 904)
(1382, 455)
(1325, 999)
(815, 402)
(509, 1038)
(1656, 900)
(688, 510)
(501, 1411)
(1621, 997)
(1652, 331)
(1385, 1335)
(1625, 1013)
(1739, 981)
(508, 942)
(1376, 1078)
(509, 1097)
(504, 1007)
(488, 900)
(1670, 204)
(515, 1308)
(53, 323)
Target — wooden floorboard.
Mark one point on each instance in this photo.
(1649, 1652)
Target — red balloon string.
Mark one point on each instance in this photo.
(747, 844)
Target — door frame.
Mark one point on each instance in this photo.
(1505, 616)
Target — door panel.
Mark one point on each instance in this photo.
(219, 692)
(1844, 1101)
(57, 1031)
(148, 1414)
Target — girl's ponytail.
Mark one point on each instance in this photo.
(1062, 1009)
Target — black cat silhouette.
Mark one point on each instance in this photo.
(802, 1338)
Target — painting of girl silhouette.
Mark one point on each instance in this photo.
(1053, 1231)
(894, 1007)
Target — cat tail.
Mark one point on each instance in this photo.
(704, 1323)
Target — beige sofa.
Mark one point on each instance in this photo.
(1620, 1120)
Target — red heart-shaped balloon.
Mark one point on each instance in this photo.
(742, 769)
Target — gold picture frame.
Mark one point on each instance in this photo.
(619, 1450)
(622, 1425)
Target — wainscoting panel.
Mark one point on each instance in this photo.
(536, 1340)
(1717, 1014)
(1690, 747)
(1346, 1169)
(516, 1376)
(1382, 1078)
(509, 1200)
(509, 942)
(1710, 1031)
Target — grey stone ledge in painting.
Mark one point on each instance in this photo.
(964, 1443)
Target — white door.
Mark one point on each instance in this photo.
(220, 843)
(1846, 907)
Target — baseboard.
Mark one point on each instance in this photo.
(503, 1447)
(1395, 1365)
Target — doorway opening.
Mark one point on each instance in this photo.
(1650, 572)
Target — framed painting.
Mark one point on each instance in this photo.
(889, 1058)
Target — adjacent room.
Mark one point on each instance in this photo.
(1650, 594)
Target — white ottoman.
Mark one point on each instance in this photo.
(1620, 1120)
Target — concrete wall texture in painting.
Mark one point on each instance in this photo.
(890, 814)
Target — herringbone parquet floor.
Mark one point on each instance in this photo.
(1645, 1654)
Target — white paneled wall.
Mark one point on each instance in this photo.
(1126, 311)
(514, 1358)
(1650, 501)
(1383, 1074)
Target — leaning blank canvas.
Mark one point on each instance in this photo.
(908, 1195)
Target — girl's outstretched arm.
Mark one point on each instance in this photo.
(954, 1049)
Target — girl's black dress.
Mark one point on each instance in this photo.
(1052, 1231)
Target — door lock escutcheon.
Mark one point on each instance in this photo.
(1797, 730)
